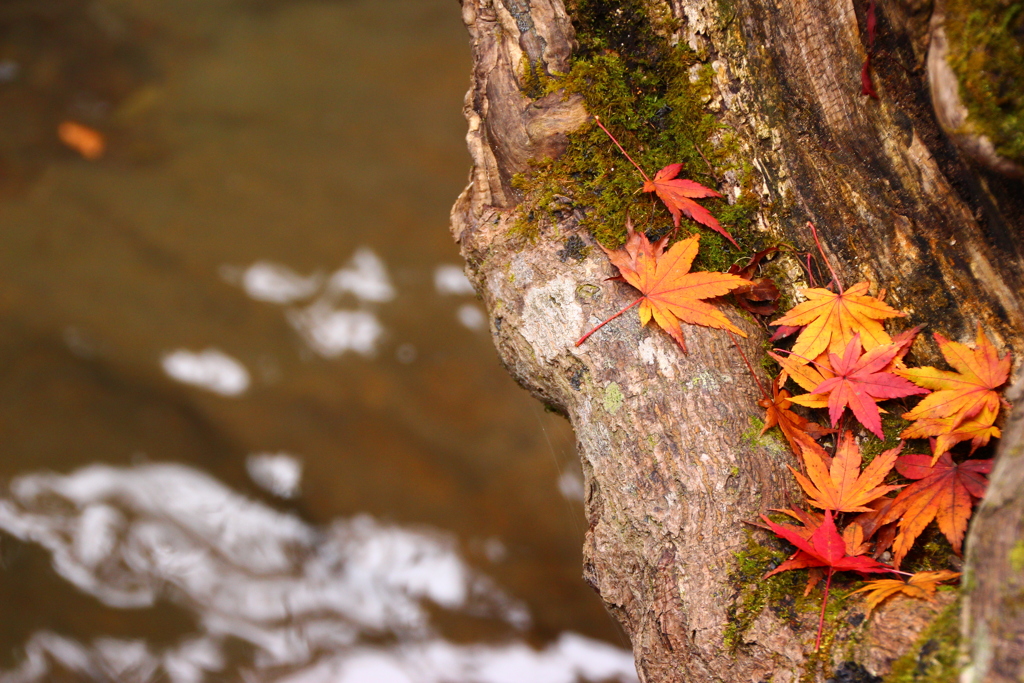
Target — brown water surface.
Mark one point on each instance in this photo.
(275, 187)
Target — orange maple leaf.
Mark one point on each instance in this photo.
(797, 430)
(831, 320)
(978, 430)
(806, 375)
(860, 381)
(842, 487)
(921, 585)
(671, 293)
(959, 396)
(678, 195)
(945, 492)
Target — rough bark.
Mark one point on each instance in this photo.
(993, 612)
(670, 479)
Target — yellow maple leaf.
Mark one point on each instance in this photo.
(832, 320)
(964, 404)
(921, 585)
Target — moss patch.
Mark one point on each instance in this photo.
(769, 441)
(754, 594)
(652, 96)
(986, 51)
(1017, 556)
(931, 552)
(892, 426)
(933, 658)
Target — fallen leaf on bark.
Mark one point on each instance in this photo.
(959, 396)
(825, 548)
(904, 340)
(875, 527)
(852, 536)
(806, 375)
(860, 382)
(921, 585)
(945, 491)
(678, 195)
(761, 297)
(831, 320)
(842, 486)
(797, 429)
(671, 293)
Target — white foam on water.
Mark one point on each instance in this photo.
(278, 473)
(303, 598)
(210, 369)
(331, 332)
(365, 277)
(471, 317)
(451, 280)
(279, 284)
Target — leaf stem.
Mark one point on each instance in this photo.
(584, 337)
(814, 231)
(749, 366)
(824, 602)
(810, 274)
(597, 119)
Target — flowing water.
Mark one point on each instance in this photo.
(252, 427)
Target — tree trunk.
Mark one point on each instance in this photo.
(670, 477)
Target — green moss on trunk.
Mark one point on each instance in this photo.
(986, 51)
(653, 96)
(933, 658)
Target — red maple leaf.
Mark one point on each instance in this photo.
(859, 383)
(825, 548)
(678, 195)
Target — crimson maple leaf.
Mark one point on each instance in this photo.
(825, 548)
(945, 491)
(860, 382)
(678, 195)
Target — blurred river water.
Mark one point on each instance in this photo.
(252, 427)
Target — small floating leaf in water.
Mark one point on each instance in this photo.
(90, 143)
